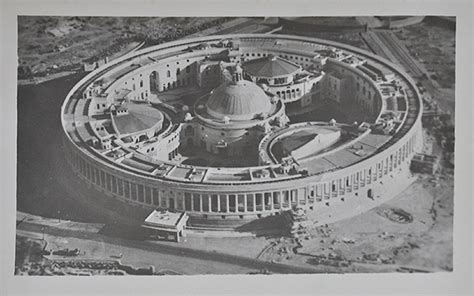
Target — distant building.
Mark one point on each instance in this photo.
(424, 163)
(166, 225)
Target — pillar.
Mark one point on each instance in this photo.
(200, 202)
(209, 203)
(227, 203)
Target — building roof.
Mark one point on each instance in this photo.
(240, 100)
(140, 117)
(312, 138)
(166, 220)
(270, 66)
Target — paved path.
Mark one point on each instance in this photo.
(174, 252)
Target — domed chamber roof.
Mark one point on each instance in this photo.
(240, 100)
(270, 66)
(137, 118)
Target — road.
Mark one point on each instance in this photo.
(178, 258)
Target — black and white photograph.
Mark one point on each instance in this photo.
(169, 146)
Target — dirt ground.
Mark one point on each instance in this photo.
(57, 41)
(435, 47)
(373, 243)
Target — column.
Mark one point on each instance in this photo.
(209, 203)
(118, 191)
(200, 202)
(218, 203)
(191, 196)
(245, 203)
(227, 203)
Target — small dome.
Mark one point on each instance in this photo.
(270, 66)
(241, 100)
(139, 118)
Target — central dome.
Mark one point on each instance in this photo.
(240, 100)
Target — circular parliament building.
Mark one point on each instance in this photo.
(234, 129)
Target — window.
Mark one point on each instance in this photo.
(196, 202)
(214, 198)
(148, 195)
(114, 184)
(120, 187)
(133, 191)
(187, 201)
(102, 179)
(126, 187)
(155, 197)
(168, 73)
(178, 71)
(141, 83)
(205, 203)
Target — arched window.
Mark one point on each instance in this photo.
(168, 73)
(178, 71)
(141, 83)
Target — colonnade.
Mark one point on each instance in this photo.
(243, 202)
